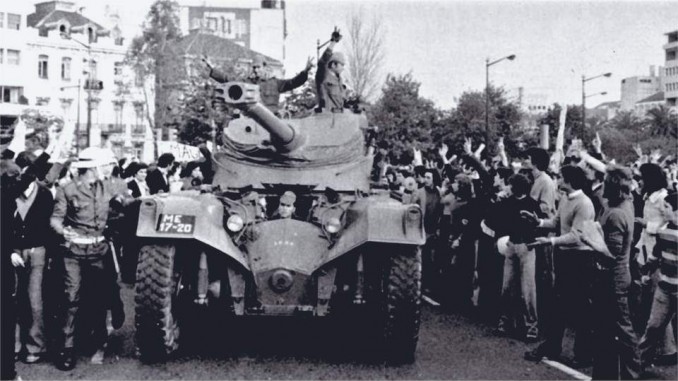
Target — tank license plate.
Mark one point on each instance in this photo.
(176, 223)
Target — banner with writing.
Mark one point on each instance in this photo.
(181, 152)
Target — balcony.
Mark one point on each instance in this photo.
(138, 130)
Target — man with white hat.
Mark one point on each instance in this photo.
(330, 87)
(80, 215)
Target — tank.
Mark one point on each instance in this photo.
(349, 253)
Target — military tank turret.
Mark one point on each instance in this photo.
(346, 251)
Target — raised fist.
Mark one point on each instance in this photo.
(336, 35)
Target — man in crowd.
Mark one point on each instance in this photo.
(429, 200)
(616, 353)
(158, 179)
(544, 191)
(80, 216)
(573, 271)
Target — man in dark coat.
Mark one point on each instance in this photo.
(158, 179)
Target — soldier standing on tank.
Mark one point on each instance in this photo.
(330, 86)
(286, 207)
(269, 88)
(80, 215)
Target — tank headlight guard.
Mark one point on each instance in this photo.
(235, 223)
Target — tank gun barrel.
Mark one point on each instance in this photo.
(245, 97)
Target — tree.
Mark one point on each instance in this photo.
(365, 52)
(627, 120)
(662, 121)
(147, 53)
(468, 120)
(403, 116)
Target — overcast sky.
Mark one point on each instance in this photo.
(445, 43)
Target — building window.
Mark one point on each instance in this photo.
(93, 68)
(66, 68)
(2, 56)
(91, 35)
(117, 107)
(13, 57)
(13, 21)
(11, 94)
(117, 68)
(2, 19)
(42, 66)
(212, 24)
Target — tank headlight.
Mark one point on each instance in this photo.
(235, 223)
(333, 225)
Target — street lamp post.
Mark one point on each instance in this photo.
(89, 89)
(77, 128)
(583, 95)
(487, 95)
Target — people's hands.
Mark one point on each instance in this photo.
(531, 217)
(479, 150)
(442, 151)
(309, 64)
(501, 148)
(336, 35)
(638, 150)
(645, 280)
(467, 146)
(655, 155)
(417, 157)
(17, 261)
(455, 244)
(540, 241)
(69, 234)
(597, 144)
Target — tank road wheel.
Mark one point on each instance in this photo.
(402, 305)
(157, 328)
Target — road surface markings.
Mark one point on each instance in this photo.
(430, 301)
(569, 371)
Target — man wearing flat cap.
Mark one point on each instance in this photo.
(269, 88)
(80, 216)
(286, 207)
(330, 87)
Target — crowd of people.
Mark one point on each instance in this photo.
(542, 241)
(533, 243)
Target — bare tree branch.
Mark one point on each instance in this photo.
(365, 53)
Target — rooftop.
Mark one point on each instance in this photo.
(218, 48)
(656, 97)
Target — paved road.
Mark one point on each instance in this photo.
(450, 347)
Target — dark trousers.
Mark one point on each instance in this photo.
(30, 300)
(490, 276)
(573, 283)
(462, 275)
(544, 279)
(615, 355)
(87, 275)
(7, 320)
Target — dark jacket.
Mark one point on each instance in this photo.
(330, 88)
(34, 230)
(156, 182)
(618, 224)
(505, 219)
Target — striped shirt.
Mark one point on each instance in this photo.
(668, 277)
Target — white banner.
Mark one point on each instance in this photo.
(181, 152)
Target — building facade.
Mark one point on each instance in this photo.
(74, 67)
(670, 85)
(634, 89)
(258, 25)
